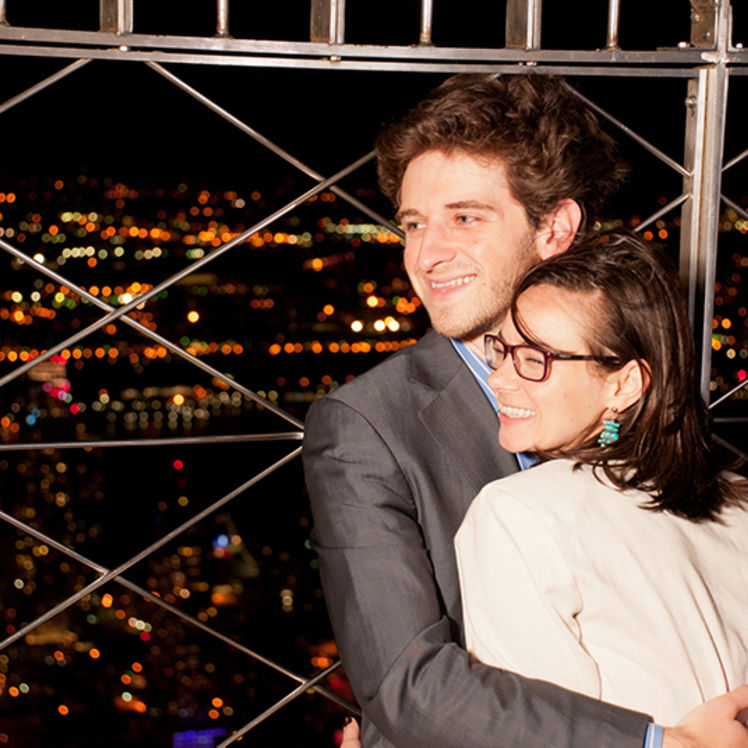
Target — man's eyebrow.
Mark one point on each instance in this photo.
(405, 214)
(475, 204)
(459, 205)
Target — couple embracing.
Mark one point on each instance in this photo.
(598, 580)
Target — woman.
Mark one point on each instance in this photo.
(619, 561)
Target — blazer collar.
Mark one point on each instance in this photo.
(458, 413)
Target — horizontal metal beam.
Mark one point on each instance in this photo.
(104, 40)
(332, 63)
(181, 441)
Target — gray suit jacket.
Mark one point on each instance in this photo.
(392, 461)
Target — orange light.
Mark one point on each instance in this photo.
(63, 710)
(106, 601)
(193, 316)
(178, 399)
(94, 653)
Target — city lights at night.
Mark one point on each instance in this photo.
(161, 448)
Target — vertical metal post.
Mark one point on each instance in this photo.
(523, 21)
(427, 15)
(327, 22)
(115, 16)
(222, 19)
(3, 19)
(705, 122)
(614, 16)
(704, 19)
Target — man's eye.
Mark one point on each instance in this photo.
(412, 225)
(466, 219)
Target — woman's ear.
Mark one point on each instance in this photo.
(629, 384)
(558, 229)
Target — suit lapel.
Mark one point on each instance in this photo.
(458, 413)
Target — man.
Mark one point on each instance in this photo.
(489, 175)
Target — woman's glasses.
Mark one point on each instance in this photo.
(530, 362)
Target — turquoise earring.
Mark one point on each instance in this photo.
(610, 432)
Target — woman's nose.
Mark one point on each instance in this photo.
(504, 376)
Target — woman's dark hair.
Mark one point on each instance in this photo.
(637, 314)
(549, 141)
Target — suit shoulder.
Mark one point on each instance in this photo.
(392, 378)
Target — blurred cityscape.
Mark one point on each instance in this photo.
(296, 310)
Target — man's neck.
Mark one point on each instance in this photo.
(476, 346)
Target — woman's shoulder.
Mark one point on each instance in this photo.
(554, 474)
(559, 485)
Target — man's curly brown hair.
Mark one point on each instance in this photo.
(551, 144)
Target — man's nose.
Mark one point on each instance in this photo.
(435, 248)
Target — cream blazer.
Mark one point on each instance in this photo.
(568, 580)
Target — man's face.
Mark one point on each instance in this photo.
(467, 240)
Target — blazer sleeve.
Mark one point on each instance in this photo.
(520, 599)
(412, 680)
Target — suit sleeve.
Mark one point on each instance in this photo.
(520, 600)
(412, 680)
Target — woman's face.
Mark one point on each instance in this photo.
(567, 408)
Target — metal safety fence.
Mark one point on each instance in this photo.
(705, 71)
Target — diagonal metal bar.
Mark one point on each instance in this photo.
(84, 560)
(142, 298)
(742, 212)
(665, 209)
(724, 397)
(173, 347)
(729, 446)
(234, 644)
(222, 439)
(643, 142)
(298, 691)
(269, 144)
(119, 570)
(736, 160)
(29, 92)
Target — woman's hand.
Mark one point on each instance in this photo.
(351, 735)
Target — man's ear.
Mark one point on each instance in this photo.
(558, 229)
(629, 384)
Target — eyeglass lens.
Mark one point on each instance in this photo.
(528, 361)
